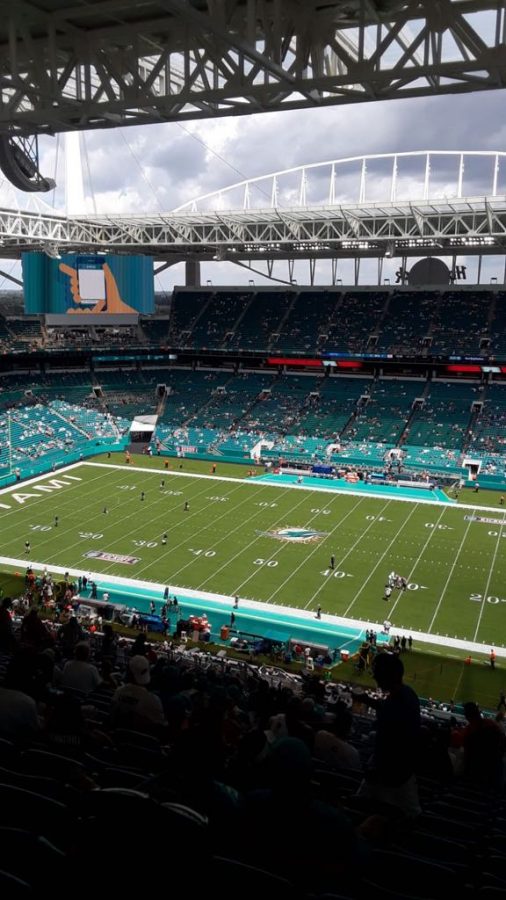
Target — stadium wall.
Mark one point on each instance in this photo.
(45, 464)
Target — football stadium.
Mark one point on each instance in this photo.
(252, 555)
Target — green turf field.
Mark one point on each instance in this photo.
(455, 567)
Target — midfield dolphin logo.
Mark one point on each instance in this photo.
(294, 535)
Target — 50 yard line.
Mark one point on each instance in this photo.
(306, 496)
(317, 547)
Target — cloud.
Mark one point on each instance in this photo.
(159, 167)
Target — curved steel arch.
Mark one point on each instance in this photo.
(272, 179)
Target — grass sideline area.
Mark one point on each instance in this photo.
(185, 466)
(468, 495)
(430, 674)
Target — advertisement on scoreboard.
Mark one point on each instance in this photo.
(95, 286)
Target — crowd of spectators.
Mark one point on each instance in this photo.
(110, 744)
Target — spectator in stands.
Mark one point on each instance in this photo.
(18, 711)
(109, 646)
(7, 639)
(139, 646)
(79, 674)
(34, 633)
(134, 706)
(318, 845)
(390, 778)
(484, 744)
(70, 635)
(291, 724)
(331, 744)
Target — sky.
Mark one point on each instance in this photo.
(156, 168)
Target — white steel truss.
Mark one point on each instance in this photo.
(67, 65)
(466, 225)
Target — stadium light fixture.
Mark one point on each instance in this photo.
(52, 251)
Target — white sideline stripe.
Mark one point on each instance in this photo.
(305, 616)
(489, 579)
(459, 551)
(296, 487)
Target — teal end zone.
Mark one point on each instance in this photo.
(272, 624)
(385, 491)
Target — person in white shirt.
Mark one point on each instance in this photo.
(331, 744)
(79, 674)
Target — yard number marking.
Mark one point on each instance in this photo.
(479, 598)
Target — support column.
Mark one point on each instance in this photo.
(192, 273)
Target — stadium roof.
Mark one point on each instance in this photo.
(71, 65)
(330, 213)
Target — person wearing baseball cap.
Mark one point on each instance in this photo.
(134, 705)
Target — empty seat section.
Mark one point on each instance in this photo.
(355, 319)
(261, 320)
(407, 322)
(444, 418)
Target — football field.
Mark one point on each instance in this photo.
(268, 543)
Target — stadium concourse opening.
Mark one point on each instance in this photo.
(141, 432)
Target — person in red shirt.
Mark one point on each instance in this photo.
(484, 745)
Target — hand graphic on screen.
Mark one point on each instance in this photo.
(112, 303)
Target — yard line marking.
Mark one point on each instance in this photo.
(44, 538)
(485, 595)
(317, 547)
(134, 531)
(304, 498)
(89, 525)
(418, 559)
(380, 560)
(208, 524)
(454, 564)
(346, 555)
(49, 538)
(284, 546)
